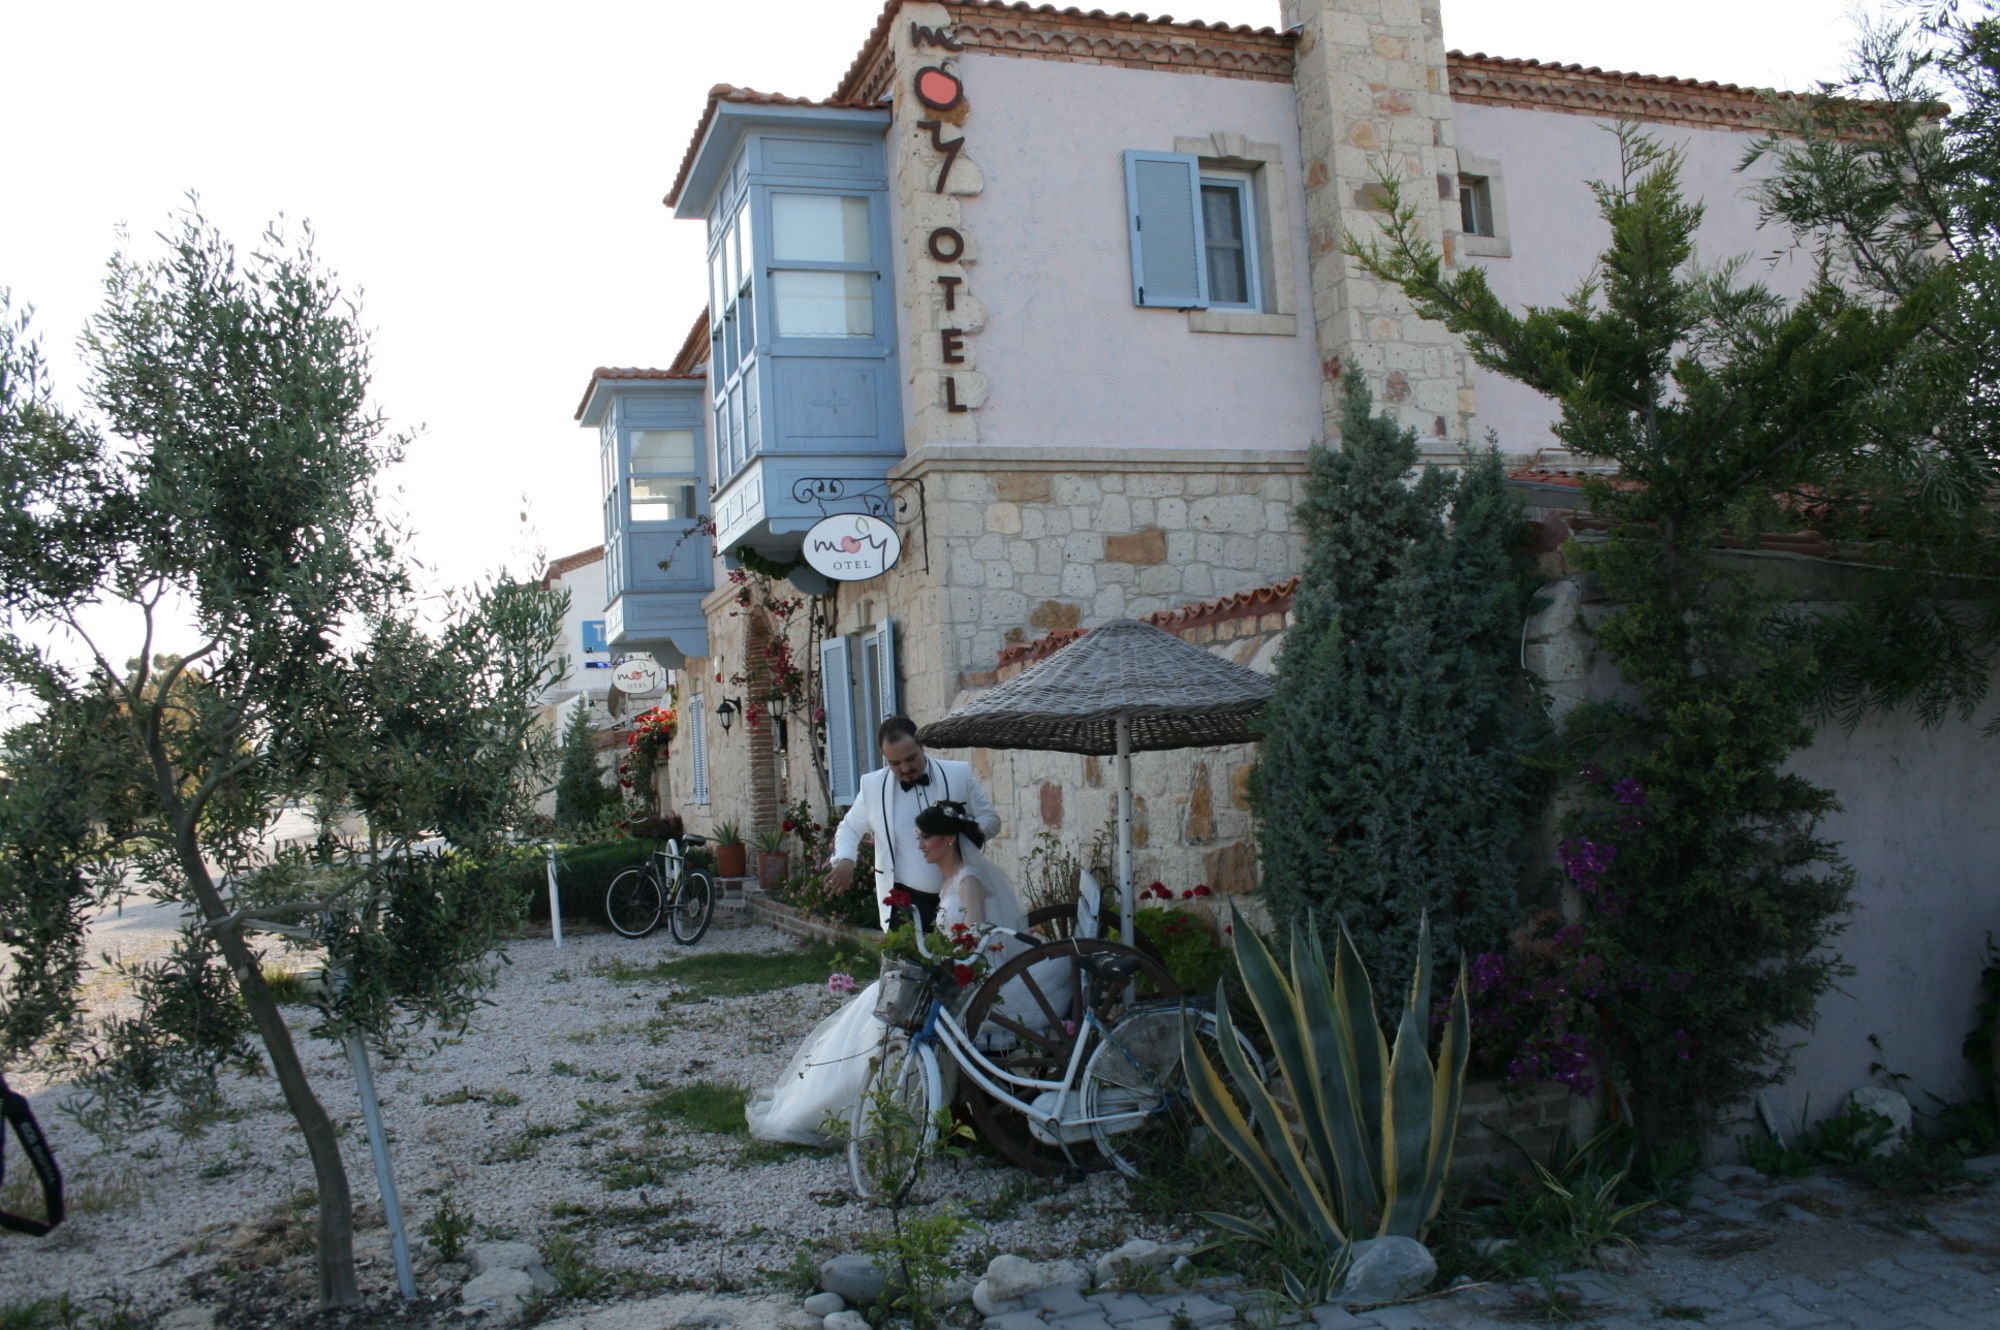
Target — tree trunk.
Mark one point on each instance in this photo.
(335, 1230)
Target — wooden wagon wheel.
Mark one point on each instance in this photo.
(1056, 922)
(1036, 1043)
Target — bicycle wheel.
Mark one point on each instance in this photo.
(632, 902)
(691, 909)
(1137, 1082)
(894, 1124)
(1034, 1034)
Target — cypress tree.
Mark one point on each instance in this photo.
(1392, 781)
(581, 793)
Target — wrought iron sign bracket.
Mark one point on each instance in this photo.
(888, 500)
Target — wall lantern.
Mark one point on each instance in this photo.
(726, 713)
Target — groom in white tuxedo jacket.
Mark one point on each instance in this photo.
(887, 804)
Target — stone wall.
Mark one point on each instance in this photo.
(1374, 98)
(1025, 540)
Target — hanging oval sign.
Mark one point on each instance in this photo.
(852, 547)
(638, 674)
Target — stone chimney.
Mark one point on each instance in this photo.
(1374, 99)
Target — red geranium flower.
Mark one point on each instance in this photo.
(963, 974)
(1201, 889)
(897, 897)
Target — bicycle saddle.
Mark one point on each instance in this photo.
(1112, 966)
(691, 839)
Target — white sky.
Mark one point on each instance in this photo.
(490, 176)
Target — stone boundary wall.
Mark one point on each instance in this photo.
(1535, 1118)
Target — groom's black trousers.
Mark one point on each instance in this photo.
(926, 906)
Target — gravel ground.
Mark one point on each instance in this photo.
(535, 1124)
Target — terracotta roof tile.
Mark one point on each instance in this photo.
(728, 92)
(870, 48)
(1273, 599)
(694, 350)
(569, 563)
(602, 375)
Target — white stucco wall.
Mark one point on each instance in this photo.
(1546, 160)
(1919, 825)
(585, 586)
(1069, 359)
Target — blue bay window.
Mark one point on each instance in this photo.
(804, 385)
(652, 446)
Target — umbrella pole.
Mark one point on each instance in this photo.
(1129, 919)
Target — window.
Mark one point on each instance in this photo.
(732, 324)
(1229, 242)
(1482, 209)
(823, 276)
(1475, 205)
(1201, 224)
(857, 676)
(662, 476)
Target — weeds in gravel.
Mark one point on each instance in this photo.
(1681, 1311)
(703, 1105)
(288, 986)
(523, 1144)
(757, 1154)
(113, 1311)
(1549, 1302)
(729, 974)
(631, 1167)
(564, 1069)
(1019, 1190)
(657, 1224)
(86, 1191)
(448, 1228)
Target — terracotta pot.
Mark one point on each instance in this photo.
(771, 869)
(731, 860)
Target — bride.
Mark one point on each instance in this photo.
(830, 1069)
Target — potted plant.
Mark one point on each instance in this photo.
(772, 860)
(730, 855)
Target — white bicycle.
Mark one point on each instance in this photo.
(1067, 1057)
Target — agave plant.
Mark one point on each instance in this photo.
(1349, 1139)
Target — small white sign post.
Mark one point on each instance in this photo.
(555, 898)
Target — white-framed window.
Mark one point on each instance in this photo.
(1210, 234)
(697, 728)
(1229, 241)
(822, 265)
(661, 476)
(857, 675)
(1482, 209)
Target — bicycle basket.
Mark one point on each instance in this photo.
(904, 998)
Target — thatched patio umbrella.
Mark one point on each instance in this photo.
(1122, 688)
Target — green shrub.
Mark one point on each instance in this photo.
(583, 871)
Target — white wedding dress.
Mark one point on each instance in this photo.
(827, 1074)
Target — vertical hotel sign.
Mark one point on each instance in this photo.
(940, 92)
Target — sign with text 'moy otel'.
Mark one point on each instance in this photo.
(852, 547)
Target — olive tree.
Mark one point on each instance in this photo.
(205, 616)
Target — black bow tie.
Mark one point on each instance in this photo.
(909, 785)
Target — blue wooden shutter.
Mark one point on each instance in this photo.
(836, 682)
(697, 723)
(1163, 199)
